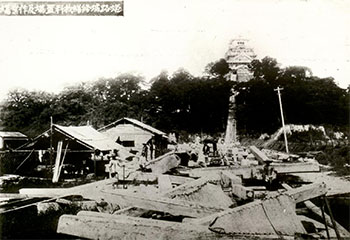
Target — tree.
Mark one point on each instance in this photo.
(217, 69)
(117, 98)
(266, 70)
(27, 111)
(75, 105)
(306, 99)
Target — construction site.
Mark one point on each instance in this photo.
(91, 161)
(129, 180)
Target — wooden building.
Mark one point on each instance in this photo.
(12, 140)
(81, 147)
(132, 134)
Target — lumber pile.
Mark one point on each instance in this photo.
(196, 209)
(194, 203)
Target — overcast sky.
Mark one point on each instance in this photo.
(49, 53)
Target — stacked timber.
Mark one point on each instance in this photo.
(196, 209)
(202, 203)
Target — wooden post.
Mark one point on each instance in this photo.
(332, 219)
(57, 162)
(325, 221)
(284, 128)
(124, 186)
(94, 159)
(61, 164)
(51, 142)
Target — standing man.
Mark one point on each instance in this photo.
(114, 164)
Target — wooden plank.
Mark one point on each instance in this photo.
(57, 162)
(284, 168)
(43, 192)
(242, 191)
(316, 210)
(143, 177)
(248, 172)
(61, 192)
(164, 183)
(307, 192)
(208, 220)
(163, 163)
(174, 207)
(10, 196)
(131, 212)
(152, 177)
(261, 156)
(281, 214)
(61, 165)
(228, 179)
(187, 187)
(201, 191)
(208, 195)
(257, 188)
(106, 226)
(178, 180)
(271, 216)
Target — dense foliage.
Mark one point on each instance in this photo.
(182, 102)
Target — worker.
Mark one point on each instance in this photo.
(222, 151)
(206, 149)
(114, 164)
(151, 148)
(144, 152)
(143, 156)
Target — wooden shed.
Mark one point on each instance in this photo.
(12, 140)
(132, 134)
(77, 144)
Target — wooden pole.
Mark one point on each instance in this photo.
(278, 89)
(325, 221)
(94, 158)
(51, 141)
(332, 219)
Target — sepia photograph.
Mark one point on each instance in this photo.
(175, 119)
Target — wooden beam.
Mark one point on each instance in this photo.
(163, 163)
(131, 212)
(242, 192)
(248, 172)
(164, 183)
(228, 179)
(201, 191)
(178, 180)
(286, 168)
(316, 210)
(214, 172)
(4, 197)
(307, 192)
(186, 187)
(57, 162)
(272, 216)
(174, 207)
(262, 158)
(43, 192)
(61, 192)
(106, 226)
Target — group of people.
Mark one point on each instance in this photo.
(209, 149)
(148, 152)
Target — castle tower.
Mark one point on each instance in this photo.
(238, 57)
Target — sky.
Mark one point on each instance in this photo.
(50, 53)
